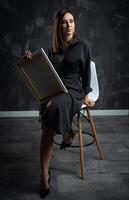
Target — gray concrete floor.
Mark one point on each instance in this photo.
(106, 179)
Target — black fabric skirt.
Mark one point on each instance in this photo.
(59, 115)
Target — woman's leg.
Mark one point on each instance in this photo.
(67, 138)
(46, 147)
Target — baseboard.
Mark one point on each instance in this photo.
(19, 113)
(36, 113)
(109, 112)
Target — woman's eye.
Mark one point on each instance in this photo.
(67, 22)
(71, 21)
(64, 22)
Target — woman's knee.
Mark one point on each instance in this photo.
(49, 104)
(60, 101)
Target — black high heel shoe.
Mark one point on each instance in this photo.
(65, 145)
(44, 192)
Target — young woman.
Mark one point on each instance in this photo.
(71, 58)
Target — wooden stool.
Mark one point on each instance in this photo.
(86, 115)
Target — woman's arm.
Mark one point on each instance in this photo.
(86, 75)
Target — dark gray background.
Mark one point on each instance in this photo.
(104, 23)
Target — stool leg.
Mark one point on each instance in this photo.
(95, 134)
(81, 145)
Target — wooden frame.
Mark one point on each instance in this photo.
(41, 76)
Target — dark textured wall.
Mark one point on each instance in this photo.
(104, 23)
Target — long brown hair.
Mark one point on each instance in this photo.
(57, 39)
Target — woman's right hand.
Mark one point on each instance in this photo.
(27, 56)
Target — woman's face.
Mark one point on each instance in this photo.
(68, 25)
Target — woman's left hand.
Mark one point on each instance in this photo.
(88, 102)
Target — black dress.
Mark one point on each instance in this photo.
(73, 67)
